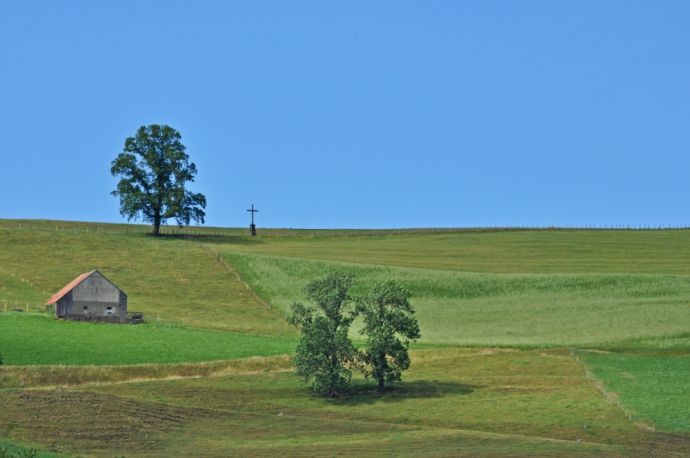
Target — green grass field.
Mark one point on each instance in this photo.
(16, 450)
(173, 389)
(42, 340)
(500, 309)
(653, 388)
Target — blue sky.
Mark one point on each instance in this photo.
(356, 114)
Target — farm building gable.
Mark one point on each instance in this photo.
(90, 297)
(70, 286)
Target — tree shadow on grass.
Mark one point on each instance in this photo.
(366, 392)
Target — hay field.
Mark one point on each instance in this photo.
(479, 308)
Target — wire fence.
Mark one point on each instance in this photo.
(610, 397)
(15, 305)
(233, 272)
(200, 231)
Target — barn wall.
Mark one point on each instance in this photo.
(123, 303)
(96, 293)
(64, 306)
(95, 308)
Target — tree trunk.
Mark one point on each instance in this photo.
(381, 371)
(156, 225)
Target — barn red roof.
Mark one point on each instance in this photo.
(56, 297)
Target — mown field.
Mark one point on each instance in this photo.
(181, 390)
(469, 402)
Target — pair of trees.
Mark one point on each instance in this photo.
(326, 354)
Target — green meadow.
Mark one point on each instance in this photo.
(209, 373)
(653, 388)
(33, 339)
(468, 308)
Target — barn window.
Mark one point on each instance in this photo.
(86, 310)
(109, 311)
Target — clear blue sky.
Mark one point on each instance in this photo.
(356, 114)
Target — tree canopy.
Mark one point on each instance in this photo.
(387, 314)
(325, 352)
(154, 169)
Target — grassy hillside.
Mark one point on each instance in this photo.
(17, 293)
(164, 277)
(621, 290)
(499, 309)
(557, 251)
(618, 290)
(634, 288)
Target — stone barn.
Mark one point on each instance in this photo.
(92, 297)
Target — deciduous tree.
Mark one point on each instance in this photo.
(154, 169)
(325, 352)
(387, 314)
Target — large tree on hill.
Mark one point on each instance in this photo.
(387, 314)
(154, 168)
(325, 352)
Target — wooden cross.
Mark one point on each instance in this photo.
(252, 228)
(253, 211)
